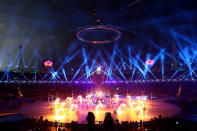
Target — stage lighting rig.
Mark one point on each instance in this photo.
(98, 34)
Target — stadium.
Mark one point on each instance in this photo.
(98, 65)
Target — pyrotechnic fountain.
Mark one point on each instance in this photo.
(99, 104)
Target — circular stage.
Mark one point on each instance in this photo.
(121, 108)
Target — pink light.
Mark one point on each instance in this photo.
(149, 62)
(48, 63)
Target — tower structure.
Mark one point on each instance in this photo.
(20, 61)
(174, 64)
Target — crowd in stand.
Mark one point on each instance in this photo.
(156, 124)
(159, 89)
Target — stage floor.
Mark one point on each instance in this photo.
(155, 108)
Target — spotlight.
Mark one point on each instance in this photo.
(98, 70)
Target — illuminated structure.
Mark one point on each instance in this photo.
(20, 62)
(119, 66)
(48, 63)
(122, 53)
(107, 30)
(149, 62)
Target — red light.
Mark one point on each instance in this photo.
(48, 63)
(149, 62)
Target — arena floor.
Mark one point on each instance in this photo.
(154, 108)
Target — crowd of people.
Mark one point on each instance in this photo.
(159, 89)
(186, 101)
(108, 124)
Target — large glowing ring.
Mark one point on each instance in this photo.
(99, 28)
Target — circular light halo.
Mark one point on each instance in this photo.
(100, 27)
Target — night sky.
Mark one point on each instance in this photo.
(47, 28)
